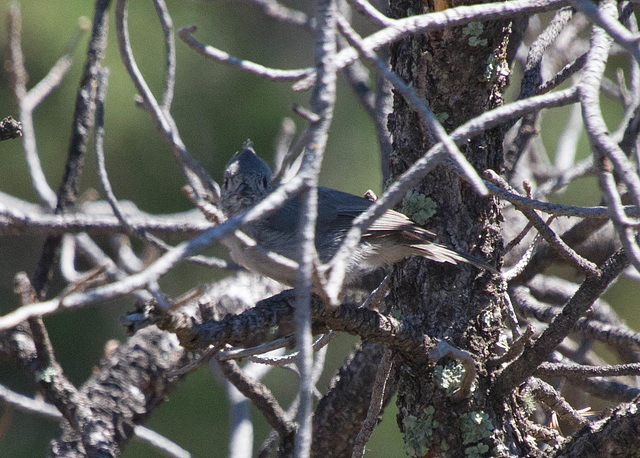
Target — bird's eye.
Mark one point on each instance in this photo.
(226, 182)
(264, 182)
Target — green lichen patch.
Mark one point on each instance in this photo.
(449, 377)
(475, 41)
(528, 402)
(476, 426)
(474, 30)
(418, 207)
(476, 451)
(441, 117)
(418, 432)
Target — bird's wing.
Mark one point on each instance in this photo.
(341, 208)
(338, 210)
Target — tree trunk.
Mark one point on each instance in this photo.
(461, 72)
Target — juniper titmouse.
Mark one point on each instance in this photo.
(392, 237)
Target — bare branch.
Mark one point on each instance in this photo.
(557, 209)
(198, 178)
(39, 407)
(591, 327)
(367, 9)
(50, 378)
(547, 233)
(14, 220)
(531, 76)
(605, 149)
(578, 370)
(82, 123)
(589, 291)
(186, 35)
(610, 433)
(341, 412)
(383, 105)
(170, 48)
(322, 103)
(320, 344)
(433, 21)
(131, 382)
(609, 23)
(275, 10)
(375, 406)
(261, 397)
(548, 396)
(27, 104)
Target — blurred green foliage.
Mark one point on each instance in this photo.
(216, 108)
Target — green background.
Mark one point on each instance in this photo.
(216, 108)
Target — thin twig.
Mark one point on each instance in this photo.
(532, 357)
(546, 232)
(170, 49)
(547, 395)
(261, 397)
(370, 12)
(616, 335)
(111, 197)
(598, 212)
(607, 153)
(181, 225)
(322, 104)
(101, 96)
(281, 159)
(29, 100)
(318, 345)
(383, 105)
(275, 10)
(524, 261)
(610, 24)
(186, 35)
(579, 370)
(375, 406)
(197, 176)
(83, 121)
(518, 238)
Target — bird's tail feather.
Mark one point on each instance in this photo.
(440, 253)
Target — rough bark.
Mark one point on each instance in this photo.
(461, 73)
(124, 391)
(341, 412)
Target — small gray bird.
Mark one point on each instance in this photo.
(391, 238)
